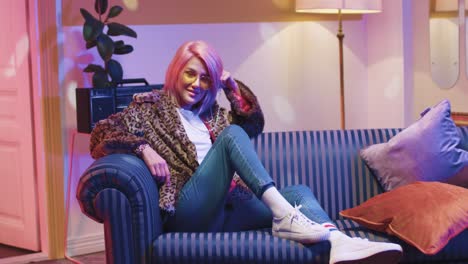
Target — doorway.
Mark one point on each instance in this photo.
(18, 204)
(30, 132)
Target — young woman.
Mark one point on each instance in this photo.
(209, 175)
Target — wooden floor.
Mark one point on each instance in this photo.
(95, 258)
(8, 251)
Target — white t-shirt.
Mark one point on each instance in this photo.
(197, 132)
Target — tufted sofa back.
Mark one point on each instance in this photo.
(328, 162)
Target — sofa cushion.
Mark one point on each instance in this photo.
(424, 214)
(427, 150)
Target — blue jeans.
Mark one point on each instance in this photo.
(201, 206)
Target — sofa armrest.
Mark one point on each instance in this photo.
(119, 191)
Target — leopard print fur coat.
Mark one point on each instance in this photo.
(152, 119)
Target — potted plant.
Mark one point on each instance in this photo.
(95, 35)
(105, 98)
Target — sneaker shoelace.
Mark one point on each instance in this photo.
(299, 217)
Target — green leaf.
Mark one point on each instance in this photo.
(116, 29)
(100, 6)
(92, 29)
(91, 44)
(100, 80)
(123, 49)
(115, 11)
(94, 68)
(86, 15)
(115, 70)
(105, 47)
(87, 31)
(119, 43)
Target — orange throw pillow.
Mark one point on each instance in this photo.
(423, 214)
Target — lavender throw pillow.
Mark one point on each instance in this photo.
(425, 151)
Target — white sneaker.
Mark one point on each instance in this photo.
(357, 250)
(296, 226)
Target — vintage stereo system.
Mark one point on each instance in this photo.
(94, 104)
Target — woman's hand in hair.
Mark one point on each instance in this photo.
(156, 164)
(229, 82)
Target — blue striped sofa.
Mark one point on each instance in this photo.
(119, 192)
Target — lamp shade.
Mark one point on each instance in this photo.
(443, 6)
(332, 6)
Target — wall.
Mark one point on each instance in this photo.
(290, 61)
(400, 84)
(268, 37)
(386, 73)
(426, 92)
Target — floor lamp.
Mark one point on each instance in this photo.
(339, 7)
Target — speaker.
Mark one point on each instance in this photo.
(94, 104)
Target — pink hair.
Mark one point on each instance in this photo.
(209, 58)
